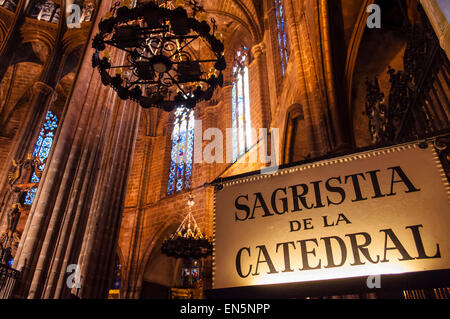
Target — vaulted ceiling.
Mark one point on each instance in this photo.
(234, 15)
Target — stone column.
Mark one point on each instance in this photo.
(311, 93)
(99, 243)
(9, 44)
(260, 95)
(438, 13)
(41, 95)
(132, 284)
(337, 109)
(76, 216)
(351, 58)
(225, 123)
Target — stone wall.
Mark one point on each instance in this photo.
(109, 166)
(149, 213)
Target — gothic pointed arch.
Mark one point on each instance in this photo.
(294, 135)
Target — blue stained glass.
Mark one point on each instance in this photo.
(51, 124)
(189, 151)
(117, 283)
(241, 132)
(282, 38)
(181, 153)
(180, 171)
(30, 196)
(34, 178)
(38, 144)
(42, 149)
(45, 147)
(173, 157)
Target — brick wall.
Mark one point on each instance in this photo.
(149, 213)
(305, 84)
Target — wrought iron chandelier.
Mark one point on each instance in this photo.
(173, 57)
(188, 242)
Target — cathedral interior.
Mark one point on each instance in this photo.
(90, 185)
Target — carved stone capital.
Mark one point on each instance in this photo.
(258, 49)
(41, 87)
(439, 22)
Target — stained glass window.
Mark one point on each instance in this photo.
(282, 37)
(190, 275)
(242, 136)
(117, 277)
(180, 172)
(42, 149)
